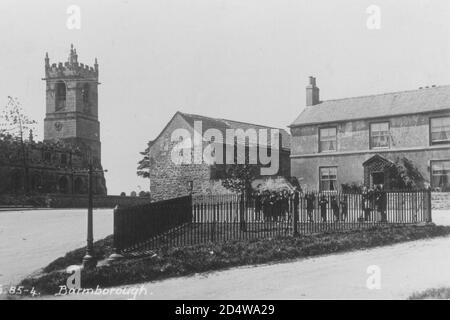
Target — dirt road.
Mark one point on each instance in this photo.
(404, 268)
(31, 239)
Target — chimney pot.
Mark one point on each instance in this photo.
(312, 92)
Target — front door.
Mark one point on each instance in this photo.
(377, 178)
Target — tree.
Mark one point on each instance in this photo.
(404, 175)
(143, 169)
(239, 177)
(144, 194)
(16, 124)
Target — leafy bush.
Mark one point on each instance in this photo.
(352, 187)
(440, 293)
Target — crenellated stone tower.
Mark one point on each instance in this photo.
(72, 104)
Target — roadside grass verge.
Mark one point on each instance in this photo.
(102, 250)
(440, 294)
(188, 260)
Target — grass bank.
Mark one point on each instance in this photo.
(173, 262)
(440, 293)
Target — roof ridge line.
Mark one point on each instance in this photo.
(260, 125)
(382, 94)
(222, 119)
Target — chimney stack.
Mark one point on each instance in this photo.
(312, 93)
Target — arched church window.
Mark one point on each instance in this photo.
(60, 96)
(63, 159)
(17, 182)
(36, 183)
(63, 185)
(79, 186)
(47, 156)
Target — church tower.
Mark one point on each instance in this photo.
(72, 104)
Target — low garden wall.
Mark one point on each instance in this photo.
(440, 200)
(69, 201)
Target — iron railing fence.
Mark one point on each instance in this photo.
(198, 219)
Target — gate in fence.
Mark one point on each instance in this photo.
(197, 219)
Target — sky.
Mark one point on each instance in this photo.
(244, 60)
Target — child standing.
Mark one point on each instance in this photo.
(323, 208)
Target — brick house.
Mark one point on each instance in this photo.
(170, 180)
(355, 140)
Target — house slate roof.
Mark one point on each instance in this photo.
(434, 98)
(223, 124)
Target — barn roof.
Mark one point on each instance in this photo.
(223, 124)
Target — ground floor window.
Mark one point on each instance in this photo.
(440, 175)
(328, 178)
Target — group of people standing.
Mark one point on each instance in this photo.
(338, 205)
(374, 200)
(273, 206)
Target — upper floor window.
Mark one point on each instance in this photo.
(379, 135)
(440, 130)
(328, 178)
(327, 139)
(60, 96)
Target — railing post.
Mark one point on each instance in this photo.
(117, 245)
(242, 208)
(296, 212)
(429, 216)
(213, 227)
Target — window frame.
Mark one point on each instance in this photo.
(371, 147)
(431, 170)
(320, 139)
(320, 178)
(430, 132)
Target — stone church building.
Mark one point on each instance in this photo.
(71, 136)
